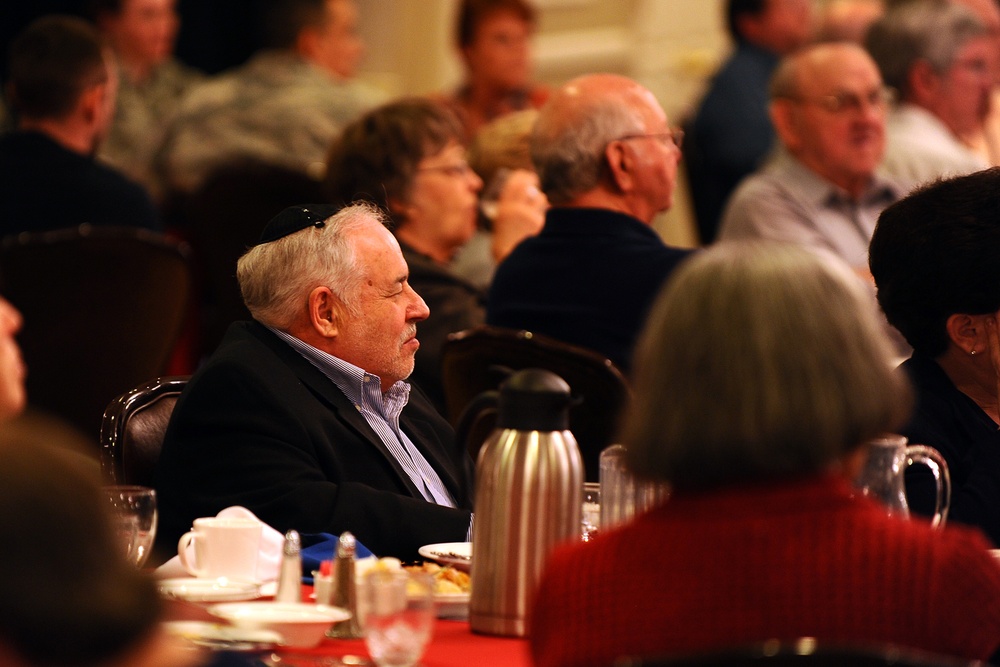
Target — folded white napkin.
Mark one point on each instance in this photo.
(268, 560)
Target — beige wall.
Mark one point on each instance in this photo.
(671, 46)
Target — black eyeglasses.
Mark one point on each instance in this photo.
(879, 98)
(672, 137)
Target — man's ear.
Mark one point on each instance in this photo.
(968, 332)
(91, 102)
(924, 82)
(324, 312)
(620, 165)
(751, 27)
(784, 117)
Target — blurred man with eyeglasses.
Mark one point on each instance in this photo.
(607, 161)
(942, 59)
(823, 191)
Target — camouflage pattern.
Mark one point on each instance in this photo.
(277, 108)
(142, 115)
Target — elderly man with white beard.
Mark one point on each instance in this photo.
(303, 414)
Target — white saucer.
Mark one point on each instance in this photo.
(210, 590)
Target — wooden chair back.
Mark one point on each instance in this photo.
(478, 359)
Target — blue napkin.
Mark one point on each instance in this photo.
(318, 547)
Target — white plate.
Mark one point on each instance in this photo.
(452, 605)
(456, 554)
(209, 590)
(223, 637)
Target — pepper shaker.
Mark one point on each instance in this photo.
(290, 575)
(345, 591)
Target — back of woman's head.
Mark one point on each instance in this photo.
(759, 361)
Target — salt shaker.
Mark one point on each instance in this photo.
(345, 591)
(290, 575)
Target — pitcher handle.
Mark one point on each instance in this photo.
(932, 458)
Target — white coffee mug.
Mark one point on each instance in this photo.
(222, 548)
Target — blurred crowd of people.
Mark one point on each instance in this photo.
(843, 158)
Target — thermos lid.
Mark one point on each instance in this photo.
(534, 399)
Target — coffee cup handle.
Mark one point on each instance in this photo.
(182, 550)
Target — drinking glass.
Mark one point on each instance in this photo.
(591, 510)
(133, 519)
(399, 615)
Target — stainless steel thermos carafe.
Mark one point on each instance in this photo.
(529, 494)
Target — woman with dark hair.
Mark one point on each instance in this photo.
(407, 157)
(760, 375)
(935, 257)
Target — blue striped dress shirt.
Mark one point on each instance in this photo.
(381, 412)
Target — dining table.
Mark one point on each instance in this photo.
(452, 644)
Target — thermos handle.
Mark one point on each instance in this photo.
(482, 405)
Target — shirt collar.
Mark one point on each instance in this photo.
(362, 388)
(822, 193)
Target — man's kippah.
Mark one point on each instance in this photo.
(296, 218)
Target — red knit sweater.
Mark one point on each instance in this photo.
(727, 568)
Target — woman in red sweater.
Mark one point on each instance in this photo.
(761, 372)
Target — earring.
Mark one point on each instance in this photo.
(972, 352)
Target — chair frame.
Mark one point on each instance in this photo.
(132, 288)
(114, 427)
(541, 351)
(803, 652)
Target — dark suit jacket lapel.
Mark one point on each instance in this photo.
(423, 433)
(324, 388)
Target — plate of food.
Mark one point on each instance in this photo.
(452, 589)
(456, 554)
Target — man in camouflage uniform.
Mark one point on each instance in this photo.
(284, 106)
(142, 34)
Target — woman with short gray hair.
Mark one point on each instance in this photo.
(761, 373)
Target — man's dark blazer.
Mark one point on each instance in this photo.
(260, 426)
(589, 278)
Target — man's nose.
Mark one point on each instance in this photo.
(418, 308)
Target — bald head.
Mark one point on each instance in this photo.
(589, 96)
(573, 143)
